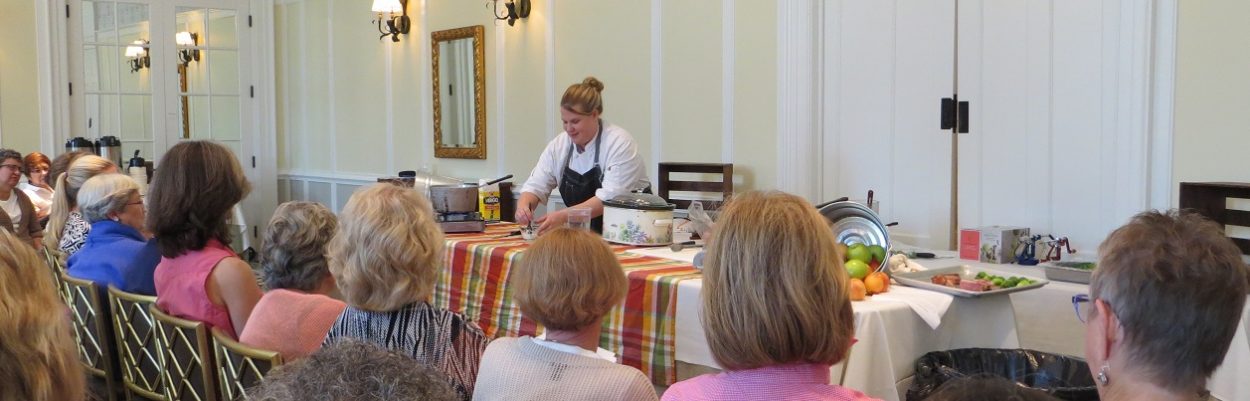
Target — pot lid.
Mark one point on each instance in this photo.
(638, 200)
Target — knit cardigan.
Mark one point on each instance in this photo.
(520, 369)
(30, 223)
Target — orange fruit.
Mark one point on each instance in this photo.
(858, 291)
(876, 282)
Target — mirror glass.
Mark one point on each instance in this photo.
(459, 116)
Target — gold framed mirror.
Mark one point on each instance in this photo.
(459, 93)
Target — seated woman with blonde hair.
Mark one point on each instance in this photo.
(67, 230)
(776, 311)
(37, 348)
(116, 252)
(294, 316)
(385, 257)
(1163, 307)
(567, 281)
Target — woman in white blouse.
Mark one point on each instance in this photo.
(36, 186)
(590, 162)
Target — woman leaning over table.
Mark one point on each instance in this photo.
(18, 214)
(1164, 305)
(67, 230)
(199, 277)
(590, 162)
(567, 282)
(116, 252)
(38, 354)
(293, 317)
(385, 257)
(36, 185)
(776, 311)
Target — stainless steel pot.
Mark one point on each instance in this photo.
(458, 198)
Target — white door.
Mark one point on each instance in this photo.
(196, 84)
(1052, 144)
(887, 65)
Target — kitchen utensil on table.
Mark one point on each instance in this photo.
(854, 223)
(110, 148)
(638, 218)
(678, 246)
(456, 205)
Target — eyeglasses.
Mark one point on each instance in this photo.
(1082, 305)
(17, 167)
(135, 203)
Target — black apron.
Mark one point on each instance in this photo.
(576, 188)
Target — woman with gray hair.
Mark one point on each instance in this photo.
(294, 316)
(354, 371)
(116, 252)
(1164, 304)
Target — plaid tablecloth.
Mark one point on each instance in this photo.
(641, 330)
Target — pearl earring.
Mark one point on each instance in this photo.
(1102, 374)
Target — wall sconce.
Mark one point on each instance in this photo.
(137, 53)
(394, 15)
(516, 9)
(186, 56)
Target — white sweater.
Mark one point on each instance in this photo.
(520, 369)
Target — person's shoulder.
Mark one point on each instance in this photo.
(617, 132)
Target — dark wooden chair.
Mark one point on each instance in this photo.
(1211, 200)
(724, 186)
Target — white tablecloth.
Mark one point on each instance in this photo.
(890, 336)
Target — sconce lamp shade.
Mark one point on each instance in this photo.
(136, 49)
(388, 6)
(184, 39)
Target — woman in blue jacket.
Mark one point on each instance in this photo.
(116, 252)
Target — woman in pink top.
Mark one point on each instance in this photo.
(294, 316)
(776, 311)
(199, 277)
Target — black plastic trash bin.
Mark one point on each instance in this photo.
(1064, 377)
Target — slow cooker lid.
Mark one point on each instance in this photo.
(637, 200)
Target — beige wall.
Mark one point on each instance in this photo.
(333, 80)
(1212, 93)
(19, 92)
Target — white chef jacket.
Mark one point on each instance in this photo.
(622, 165)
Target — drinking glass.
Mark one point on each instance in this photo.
(579, 217)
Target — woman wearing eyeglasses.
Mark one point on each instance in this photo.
(116, 252)
(19, 215)
(1164, 304)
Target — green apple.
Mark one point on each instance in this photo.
(878, 252)
(857, 268)
(859, 252)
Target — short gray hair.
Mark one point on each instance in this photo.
(103, 194)
(6, 154)
(293, 253)
(354, 370)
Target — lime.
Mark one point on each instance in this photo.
(857, 269)
(997, 281)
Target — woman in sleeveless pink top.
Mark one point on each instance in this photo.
(197, 183)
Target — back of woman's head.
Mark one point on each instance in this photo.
(1177, 286)
(774, 291)
(388, 250)
(62, 163)
(105, 193)
(293, 254)
(568, 279)
(584, 97)
(195, 186)
(40, 359)
(65, 198)
(985, 387)
(354, 371)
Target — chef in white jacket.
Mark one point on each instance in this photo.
(591, 161)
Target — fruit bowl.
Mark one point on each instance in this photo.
(854, 223)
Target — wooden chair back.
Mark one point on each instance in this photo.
(723, 186)
(239, 367)
(188, 373)
(92, 331)
(138, 351)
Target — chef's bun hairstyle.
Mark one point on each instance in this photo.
(584, 98)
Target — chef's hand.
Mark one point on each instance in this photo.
(552, 220)
(524, 215)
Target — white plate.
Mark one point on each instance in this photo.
(921, 280)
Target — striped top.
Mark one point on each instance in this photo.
(441, 339)
(780, 383)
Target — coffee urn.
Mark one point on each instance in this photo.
(110, 148)
(79, 143)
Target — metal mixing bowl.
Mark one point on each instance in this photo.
(854, 223)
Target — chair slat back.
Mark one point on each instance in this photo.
(239, 366)
(54, 261)
(138, 350)
(723, 186)
(188, 372)
(92, 330)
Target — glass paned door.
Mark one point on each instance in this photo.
(117, 79)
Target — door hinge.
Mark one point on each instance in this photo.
(255, 232)
(954, 114)
(67, 11)
(71, 89)
(249, 20)
(253, 161)
(251, 91)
